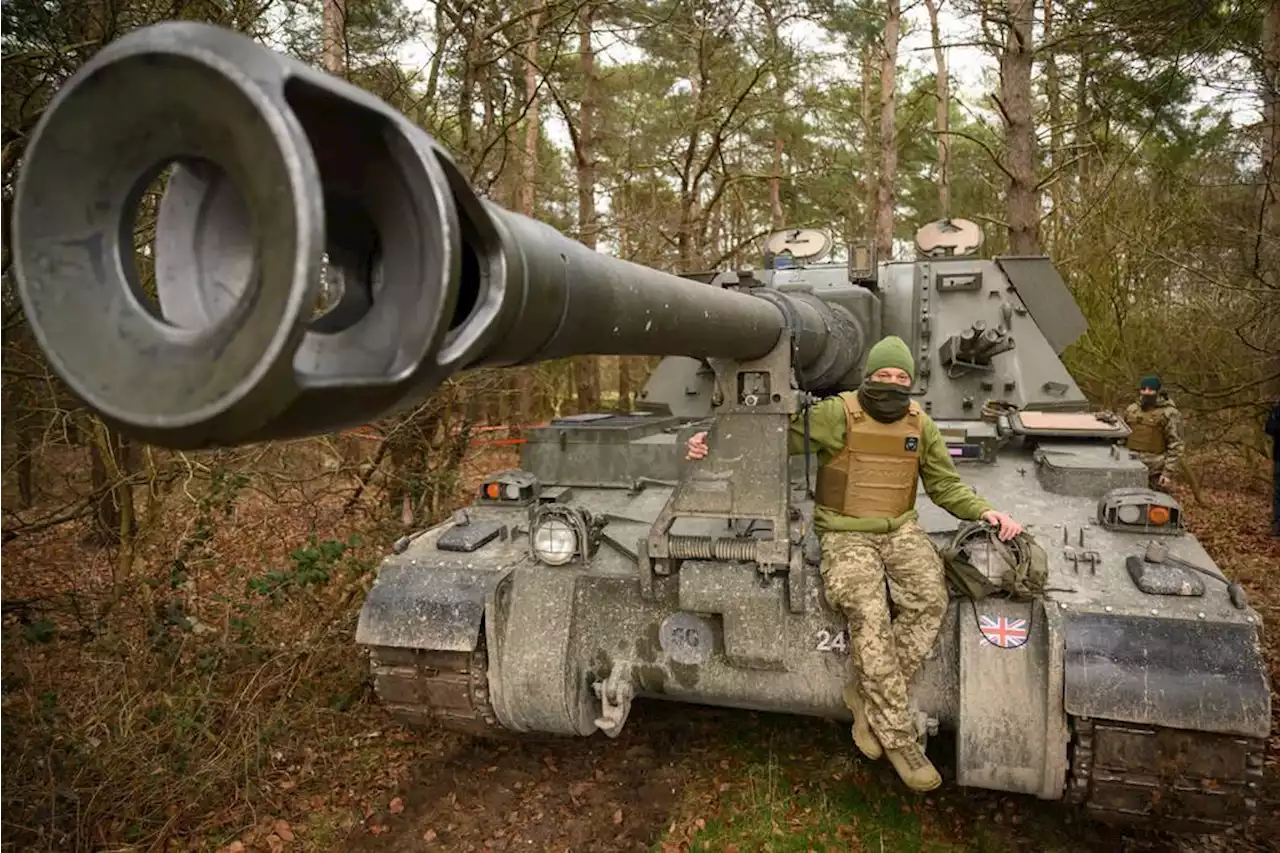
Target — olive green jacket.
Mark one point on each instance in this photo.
(938, 473)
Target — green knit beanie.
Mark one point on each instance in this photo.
(891, 351)
(1152, 382)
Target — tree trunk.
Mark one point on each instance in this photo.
(586, 381)
(867, 227)
(587, 225)
(779, 219)
(26, 469)
(97, 25)
(690, 186)
(626, 389)
(1083, 135)
(942, 116)
(1053, 96)
(1016, 112)
(586, 369)
(886, 190)
(533, 123)
(1269, 240)
(467, 92)
(443, 36)
(110, 465)
(334, 44)
(1267, 263)
(106, 517)
(523, 379)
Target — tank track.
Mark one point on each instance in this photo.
(425, 687)
(1163, 779)
(1119, 773)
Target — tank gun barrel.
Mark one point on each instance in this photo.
(284, 177)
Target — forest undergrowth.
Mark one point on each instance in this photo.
(212, 698)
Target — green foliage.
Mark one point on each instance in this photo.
(771, 814)
(785, 788)
(314, 564)
(40, 631)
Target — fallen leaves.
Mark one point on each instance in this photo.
(676, 769)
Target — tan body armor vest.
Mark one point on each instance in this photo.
(1147, 434)
(875, 475)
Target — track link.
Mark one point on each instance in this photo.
(1164, 779)
(1157, 778)
(424, 687)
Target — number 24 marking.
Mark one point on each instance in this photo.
(829, 641)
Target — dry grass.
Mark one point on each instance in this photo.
(181, 705)
(213, 697)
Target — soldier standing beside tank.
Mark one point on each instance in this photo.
(1273, 430)
(873, 446)
(1156, 432)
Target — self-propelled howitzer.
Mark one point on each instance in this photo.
(607, 567)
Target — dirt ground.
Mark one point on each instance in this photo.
(702, 779)
(270, 738)
(678, 773)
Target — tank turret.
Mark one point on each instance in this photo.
(986, 333)
(607, 567)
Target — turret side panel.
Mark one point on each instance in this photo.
(935, 304)
(1046, 296)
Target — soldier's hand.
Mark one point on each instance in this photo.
(1007, 526)
(696, 448)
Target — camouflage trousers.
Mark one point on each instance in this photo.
(856, 568)
(1156, 466)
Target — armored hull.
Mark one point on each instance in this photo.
(1135, 690)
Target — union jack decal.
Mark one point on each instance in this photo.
(1004, 632)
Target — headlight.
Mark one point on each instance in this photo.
(1139, 510)
(510, 487)
(1133, 514)
(560, 534)
(555, 542)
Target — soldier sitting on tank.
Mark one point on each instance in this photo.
(872, 445)
(1156, 432)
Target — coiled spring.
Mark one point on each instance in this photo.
(706, 548)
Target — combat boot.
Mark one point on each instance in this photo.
(865, 739)
(914, 767)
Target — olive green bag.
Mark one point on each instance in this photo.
(1019, 567)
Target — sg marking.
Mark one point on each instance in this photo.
(832, 641)
(688, 636)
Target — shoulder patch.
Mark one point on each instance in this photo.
(912, 443)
